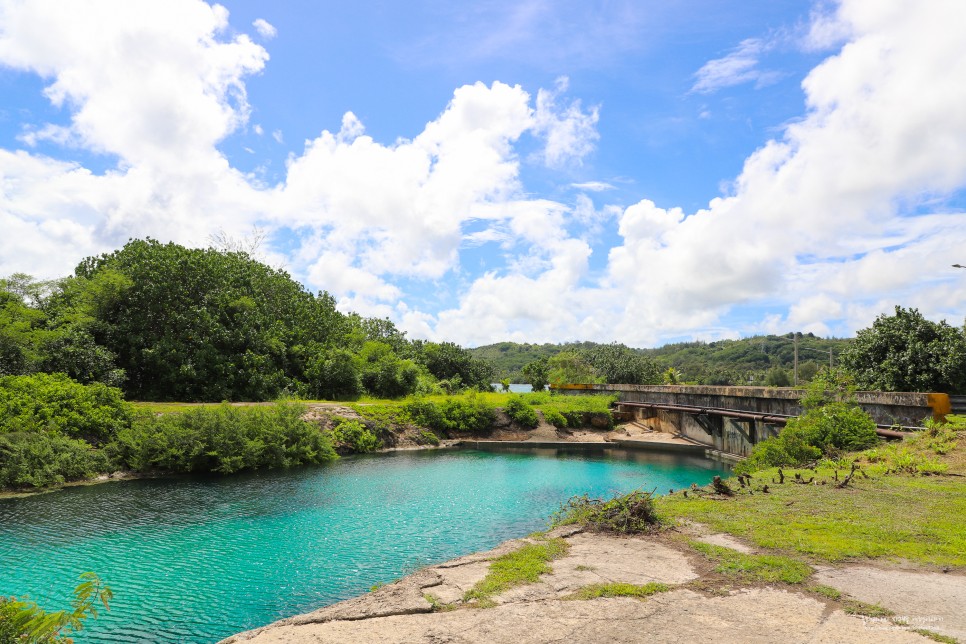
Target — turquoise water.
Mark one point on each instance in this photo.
(195, 560)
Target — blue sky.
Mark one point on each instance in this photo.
(639, 172)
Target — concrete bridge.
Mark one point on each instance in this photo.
(733, 420)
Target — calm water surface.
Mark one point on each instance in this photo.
(195, 560)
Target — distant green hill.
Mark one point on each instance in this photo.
(508, 358)
(744, 361)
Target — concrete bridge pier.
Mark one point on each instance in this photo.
(729, 435)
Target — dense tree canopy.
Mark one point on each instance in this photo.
(166, 322)
(199, 324)
(906, 352)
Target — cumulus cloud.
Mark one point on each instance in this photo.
(570, 133)
(157, 89)
(265, 29)
(825, 226)
(829, 224)
(829, 212)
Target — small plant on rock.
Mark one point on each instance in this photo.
(555, 418)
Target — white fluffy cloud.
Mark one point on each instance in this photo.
(162, 85)
(157, 88)
(828, 224)
(570, 133)
(825, 226)
(828, 213)
(265, 28)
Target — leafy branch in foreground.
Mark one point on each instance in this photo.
(24, 622)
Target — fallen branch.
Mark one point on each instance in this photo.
(845, 481)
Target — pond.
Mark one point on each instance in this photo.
(197, 559)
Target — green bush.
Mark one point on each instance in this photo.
(521, 412)
(384, 374)
(827, 430)
(35, 460)
(353, 436)
(555, 418)
(222, 439)
(427, 437)
(334, 375)
(55, 404)
(465, 414)
(832, 423)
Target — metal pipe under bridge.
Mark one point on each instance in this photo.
(734, 419)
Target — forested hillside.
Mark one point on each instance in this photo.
(757, 360)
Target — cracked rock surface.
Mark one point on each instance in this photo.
(408, 610)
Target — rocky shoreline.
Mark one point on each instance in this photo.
(698, 605)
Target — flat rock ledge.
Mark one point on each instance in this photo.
(409, 610)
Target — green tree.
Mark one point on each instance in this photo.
(384, 374)
(446, 360)
(807, 371)
(906, 352)
(671, 376)
(619, 364)
(334, 375)
(537, 373)
(200, 324)
(55, 404)
(569, 367)
(777, 377)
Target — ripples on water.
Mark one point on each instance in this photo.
(195, 560)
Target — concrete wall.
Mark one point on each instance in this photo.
(729, 435)
(887, 408)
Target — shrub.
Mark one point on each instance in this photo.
(626, 514)
(222, 439)
(555, 418)
(521, 412)
(335, 376)
(466, 414)
(427, 437)
(55, 404)
(35, 460)
(353, 436)
(426, 413)
(831, 424)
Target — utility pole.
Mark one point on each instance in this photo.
(795, 337)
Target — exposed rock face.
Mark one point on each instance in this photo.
(427, 606)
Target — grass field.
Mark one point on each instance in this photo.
(881, 513)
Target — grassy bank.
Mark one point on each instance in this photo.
(904, 501)
(896, 516)
(900, 503)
